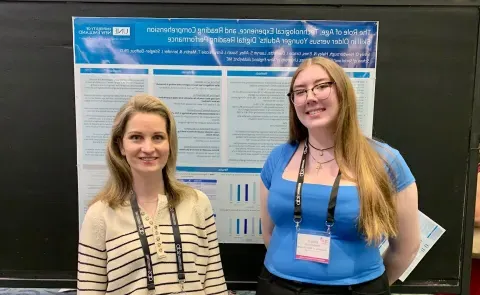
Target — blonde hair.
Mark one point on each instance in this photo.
(354, 152)
(119, 186)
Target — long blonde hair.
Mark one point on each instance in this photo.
(354, 152)
(118, 187)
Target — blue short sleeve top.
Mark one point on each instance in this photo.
(352, 259)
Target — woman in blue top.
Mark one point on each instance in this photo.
(330, 195)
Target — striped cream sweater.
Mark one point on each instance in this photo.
(110, 256)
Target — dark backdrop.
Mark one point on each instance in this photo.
(423, 106)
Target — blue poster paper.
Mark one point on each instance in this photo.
(223, 42)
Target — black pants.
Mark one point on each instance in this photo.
(269, 284)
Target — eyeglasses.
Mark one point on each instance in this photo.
(320, 91)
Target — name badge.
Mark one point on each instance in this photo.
(313, 246)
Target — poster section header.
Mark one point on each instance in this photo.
(113, 71)
(168, 72)
(223, 42)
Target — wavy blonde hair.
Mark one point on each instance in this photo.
(118, 187)
(354, 152)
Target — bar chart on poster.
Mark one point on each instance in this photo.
(246, 229)
(240, 193)
(240, 207)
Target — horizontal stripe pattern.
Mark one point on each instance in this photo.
(110, 256)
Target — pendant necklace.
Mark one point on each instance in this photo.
(319, 164)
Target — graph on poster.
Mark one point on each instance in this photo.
(241, 228)
(245, 226)
(240, 206)
(243, 193)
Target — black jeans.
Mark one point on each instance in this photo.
(269, 284)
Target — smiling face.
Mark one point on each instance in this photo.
(315, 98)
(145, 143)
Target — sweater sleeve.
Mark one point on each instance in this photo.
(214, 278)
(92, 254)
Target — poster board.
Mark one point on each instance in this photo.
(226, 82)
(36, 104)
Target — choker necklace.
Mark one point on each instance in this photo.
(319, 149)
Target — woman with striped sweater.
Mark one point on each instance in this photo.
(146, 232)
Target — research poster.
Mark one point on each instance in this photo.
(226, 82)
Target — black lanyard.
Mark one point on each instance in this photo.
(297, 212)
(178, 246)
(146, 249)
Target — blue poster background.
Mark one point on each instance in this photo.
(223, 42)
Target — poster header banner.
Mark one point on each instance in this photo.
(223, 42)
